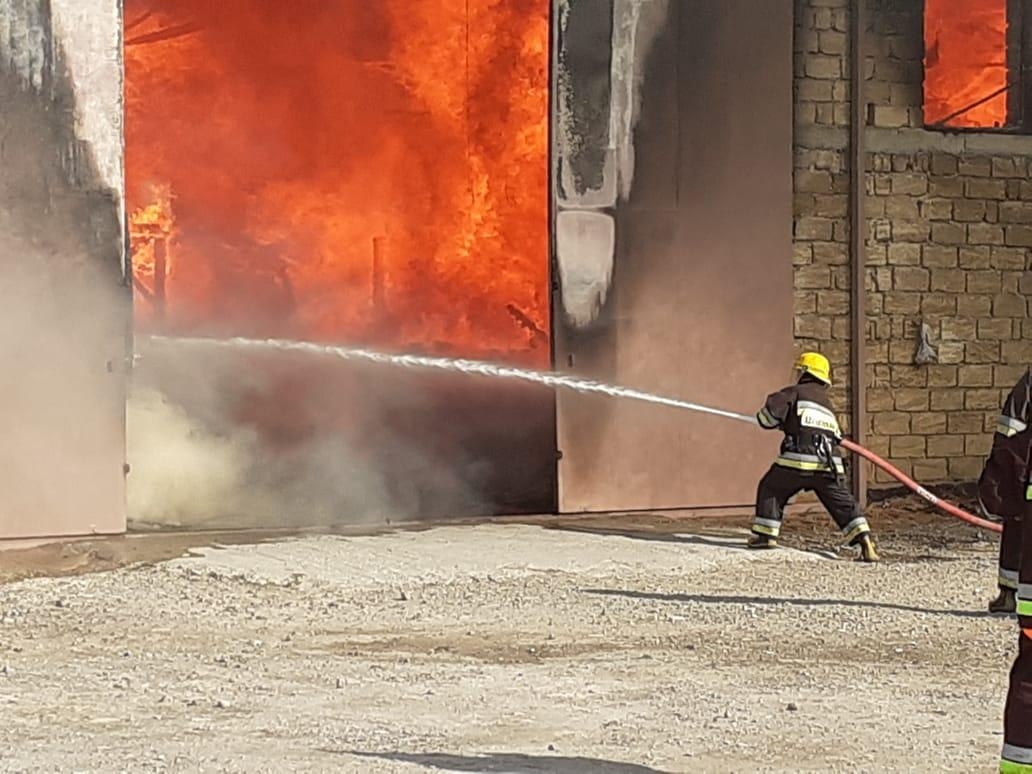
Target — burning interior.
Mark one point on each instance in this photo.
(348, 172)
(971, 81)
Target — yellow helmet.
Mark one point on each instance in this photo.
(816, 365)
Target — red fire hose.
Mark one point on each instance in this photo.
(915, 487)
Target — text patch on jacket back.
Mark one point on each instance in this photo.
(817, 417)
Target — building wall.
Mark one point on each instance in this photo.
(703, 229)
(89, 33)
(63, 293)
(949, 227)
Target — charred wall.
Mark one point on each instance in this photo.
(949, 228)
(603, 52)
(65, 323)
(673, 198)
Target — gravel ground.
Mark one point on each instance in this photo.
(511, 648)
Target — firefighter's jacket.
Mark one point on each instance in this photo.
(1025, 574)
(1017, 740)
(1001, 487)
(803, 413)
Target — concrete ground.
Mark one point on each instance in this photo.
(627, 645)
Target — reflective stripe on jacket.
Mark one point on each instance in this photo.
(1016, 415)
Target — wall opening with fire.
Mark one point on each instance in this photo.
(348, 171)
(355, 172)
(968, 78)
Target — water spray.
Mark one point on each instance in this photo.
(548, 379)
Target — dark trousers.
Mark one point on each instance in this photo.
(1017, 717)
(1010, 552)
(781, 484)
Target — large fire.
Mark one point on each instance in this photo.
(966, 63)
(351, 171)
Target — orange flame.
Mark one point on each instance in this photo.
(151, 224)
(966, 62)
(347, 171)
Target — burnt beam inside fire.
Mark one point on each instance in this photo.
(169, 33)
(379, 306)
(524, 321)
(131, 25)
(160, 274)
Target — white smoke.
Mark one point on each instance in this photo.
(181, 474)
(196, 463)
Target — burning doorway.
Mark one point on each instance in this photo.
(349, 172)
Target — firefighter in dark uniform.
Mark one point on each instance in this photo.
(1017, 717)
(808, 460)
(1001, 487)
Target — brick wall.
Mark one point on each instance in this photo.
(948, 235)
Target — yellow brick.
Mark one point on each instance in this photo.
(930, 470)
(928, 423)
(911, 399)
(977, 445)
(907, 447)
(975, 376)
(891, 423)
(945, 446)
(942, 376)
(984, 400)
(964, 422)
(965, 468)
(946, 400)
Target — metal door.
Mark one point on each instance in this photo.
(673, 181)
(64, 300)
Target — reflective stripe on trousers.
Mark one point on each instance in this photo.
(1008, 579)
(767, 527)
(1016, 760)
(855, 528)
(1025, 600)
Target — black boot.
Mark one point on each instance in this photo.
(758, 542)
(1006, 602)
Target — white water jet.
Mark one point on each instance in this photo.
(453, 365)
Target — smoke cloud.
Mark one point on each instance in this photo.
(221, 439)
(183, 473)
